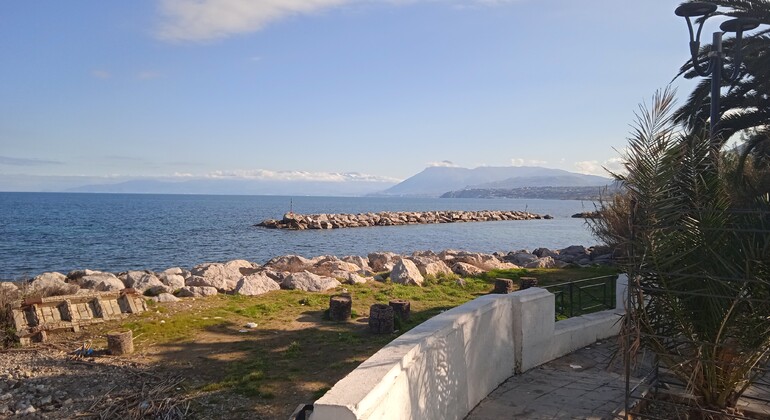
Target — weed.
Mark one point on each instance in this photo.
(293, 350)
(320, 392)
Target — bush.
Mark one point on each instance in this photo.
(8, 297)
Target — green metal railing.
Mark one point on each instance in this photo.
(584, 296)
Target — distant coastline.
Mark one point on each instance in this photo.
(546, 193)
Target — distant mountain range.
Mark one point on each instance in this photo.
(438, 181)
(235, 187)
(484, 181)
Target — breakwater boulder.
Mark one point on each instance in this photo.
(315, 274)
(296, 221)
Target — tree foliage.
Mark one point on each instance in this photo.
(745, 105)
(698, 255)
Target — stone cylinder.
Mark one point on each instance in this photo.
(503, 286)
(340, 307)
(401, 309)
(527, 282)
(120, 343)
(381, 319)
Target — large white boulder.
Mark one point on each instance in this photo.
(382, 261)
(101, 282)
(352, 278)
(521, 258)
(222, 276)
(196, 291)
(151, 285)
(466, 270)
(361, 262)
(333, 268)
(165, 297)
(255, 284)
(173, 281)
(430, 266)
(109, 284)
(545, 262)
(309, 282)
(290, 263)
(406, 272)
(52, 284)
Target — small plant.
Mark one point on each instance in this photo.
(293, 350)
(8, 297)
(320, 393)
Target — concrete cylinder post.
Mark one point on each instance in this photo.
(401, 309)
(340, 307)
(527, 282)
(381, 319)
(503, 286)
(120, 343)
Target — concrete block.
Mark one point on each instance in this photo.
(533, 326)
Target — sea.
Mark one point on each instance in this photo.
(42, 232)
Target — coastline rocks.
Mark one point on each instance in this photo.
(545, 262)
(466, 270)
(520, 258)
(333, 268)
(52, 284)
(196, 291)
(430, 266)
(316, 274)
(406, 272)
(295, 221)
(173, 281)
(224, 277)
(100, 282)
(8, 287)
(255, 284)
(290, 263)
(352, 278)
(485, 262)
(146, 283)
(361, 262)
(381, 261)
(165, 297)
(309, 282)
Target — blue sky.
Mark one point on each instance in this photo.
(311, 88)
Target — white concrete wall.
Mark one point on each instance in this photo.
(445, 366)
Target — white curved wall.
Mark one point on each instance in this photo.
(445, 366)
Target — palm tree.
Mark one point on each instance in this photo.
(746, 104)
(698, 257)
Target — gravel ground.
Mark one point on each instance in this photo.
(47, 382)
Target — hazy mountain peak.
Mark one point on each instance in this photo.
(437, 180)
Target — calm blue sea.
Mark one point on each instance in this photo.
(115, 232)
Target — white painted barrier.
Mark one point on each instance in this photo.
(445, 366)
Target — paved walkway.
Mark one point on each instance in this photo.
(580, 385)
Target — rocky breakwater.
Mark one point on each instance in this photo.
(295, 221)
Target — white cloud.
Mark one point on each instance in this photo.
(443, 163)
(527, 162)
(202, 20)
(194, 20)
(594, 167)
(268, 175)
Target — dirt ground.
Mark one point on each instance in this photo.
(176, 378)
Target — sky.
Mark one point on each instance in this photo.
(314, 89)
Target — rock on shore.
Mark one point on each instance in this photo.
(311, 274)
(295, 221)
